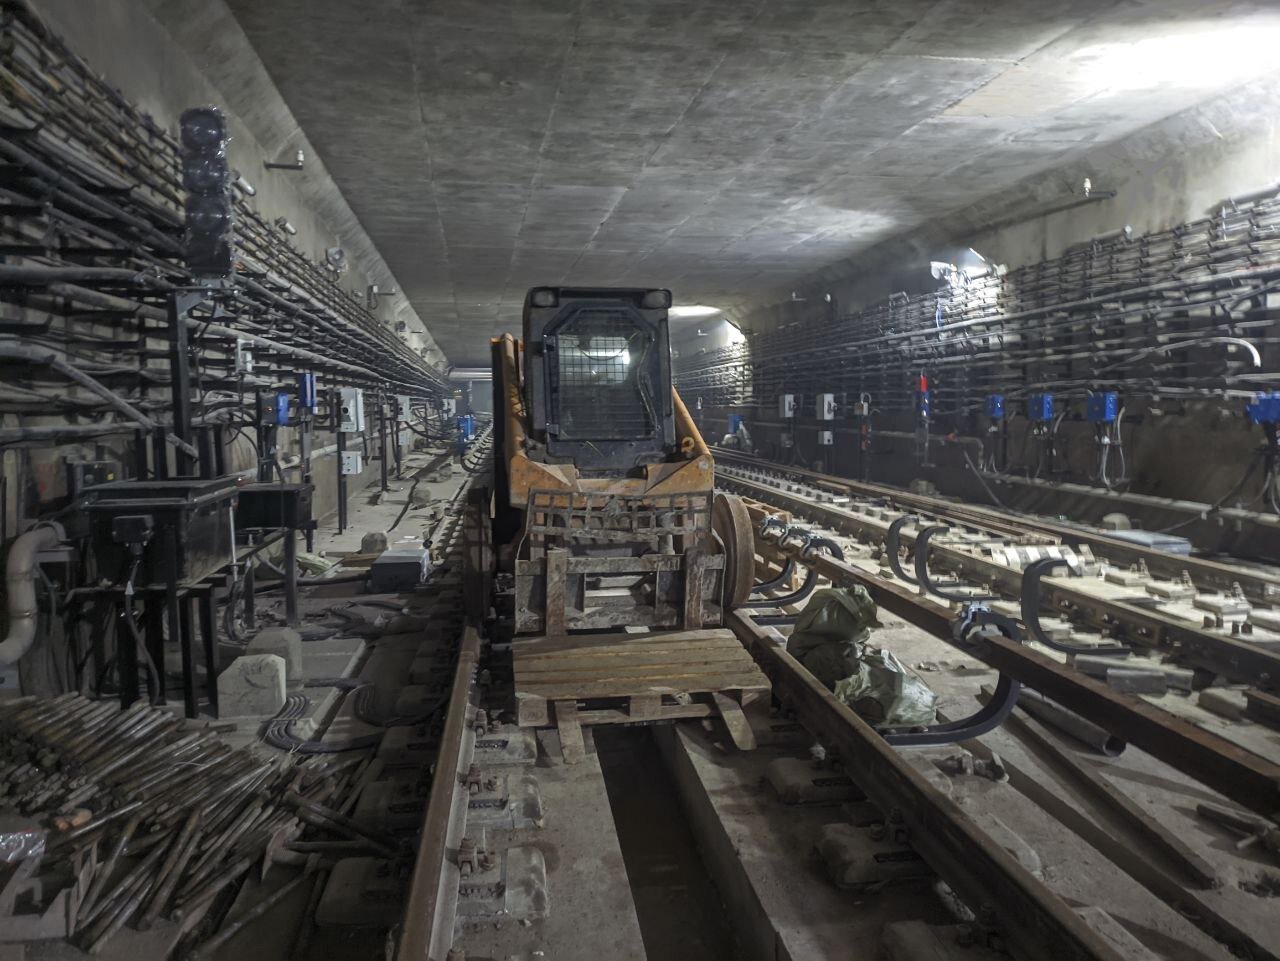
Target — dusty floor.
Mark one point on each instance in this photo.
(668, 844)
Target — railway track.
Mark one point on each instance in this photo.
(974, 559)
(951, 560)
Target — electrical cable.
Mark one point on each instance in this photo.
(1216, 505)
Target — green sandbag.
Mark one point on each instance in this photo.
(830, 630)
(830, 640)
(882, 693)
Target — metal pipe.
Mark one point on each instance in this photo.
(1070, 723)
(48, 358)
(42, 276)
(20, 586)
(1204, 511)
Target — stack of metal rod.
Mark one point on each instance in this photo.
(146, 819)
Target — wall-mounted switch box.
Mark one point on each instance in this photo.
(351, 410)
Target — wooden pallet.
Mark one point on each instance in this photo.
(573, 680)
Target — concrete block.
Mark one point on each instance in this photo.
(1137, 681)
(253, 684)
(284, 642)
(507, 745)
(853, 858)
(1116, 522)
(418, 699)
(919, 941)
(374, 542)
(1096, 665)
(801, 781)
(408, 624)
(408, 746)
(361, 892)
(1223, 702)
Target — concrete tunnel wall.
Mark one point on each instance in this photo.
(1173, 172)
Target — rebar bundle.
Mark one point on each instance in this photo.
(145, 819)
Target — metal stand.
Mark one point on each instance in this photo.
(382, 441)
(247, 587)
(180, 304)
(342, 478)
(291, 577)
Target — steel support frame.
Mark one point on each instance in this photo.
(180, 304)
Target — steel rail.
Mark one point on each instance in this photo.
(1231, 657)
(422, 923)
(1032, 920)
(1257, 584)
(1233, 771)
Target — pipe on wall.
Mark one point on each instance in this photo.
(48, 358)
(20, 586)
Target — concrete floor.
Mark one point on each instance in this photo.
(667, 844)
(762, 858)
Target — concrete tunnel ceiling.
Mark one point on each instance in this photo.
(724, 149)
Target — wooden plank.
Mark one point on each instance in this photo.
(744, 739)
(531, 710)
(556, 599)
(572, 747)
(655, 662)
(606, 662)
(672, 677)
(642, 707)
(587, 642)
(693, 590)
(669, 712)
(704, 683)
(644, 564)
(640, 648)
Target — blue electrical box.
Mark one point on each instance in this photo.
(275, 410)
(924, 402)
(1040, 407)
(1265, 408)
(306, 391)
(1102, 408)
(995, 406)
(466, 427)
(735, 421)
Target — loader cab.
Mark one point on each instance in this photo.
(597, 376)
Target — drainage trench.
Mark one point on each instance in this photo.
(682, 917)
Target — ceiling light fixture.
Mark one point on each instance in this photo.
(692, 311)
(1204, 55)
